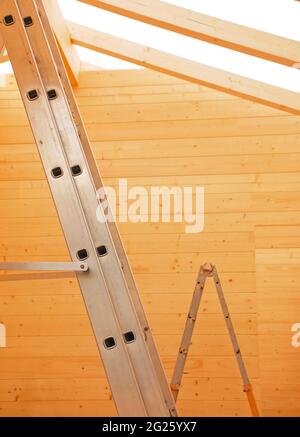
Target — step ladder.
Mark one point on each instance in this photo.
(131, 361)
(206, 271)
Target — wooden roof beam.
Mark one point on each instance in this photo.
(1, 45)
(185, 69)
(203, 27)
(4, 58)
(61, 31)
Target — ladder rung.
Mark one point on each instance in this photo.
(45, 266)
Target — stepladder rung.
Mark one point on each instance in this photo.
(210, 271)
(134, 378)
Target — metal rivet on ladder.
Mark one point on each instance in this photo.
(82, 254)
(129, 337)
(109, 343)
(101, 251)
(28, 21)
(32, 94)
(57, 172)
(8, 20)
(76, 170)
(52, 94)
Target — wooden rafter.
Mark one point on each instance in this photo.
(3, 55)
(185, 69)
(68, 51)
(1, 45)
(3, 58)
(203, 27)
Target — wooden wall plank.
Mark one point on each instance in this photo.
(277, 266)
(97, 389)
(157, 130)
(243, 303)
(85, 346)
(169, 324)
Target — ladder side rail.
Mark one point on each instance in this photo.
(235, 344)
(97, 181)
(188, 333)
(230, 327)
(104, 321)
(110, 264)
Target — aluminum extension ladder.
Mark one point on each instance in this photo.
(125, 342)
(208, 270)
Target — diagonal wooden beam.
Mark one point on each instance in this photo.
(67, 50)
(185, 69)
(1, 45)
(4, 58)
(203, 27)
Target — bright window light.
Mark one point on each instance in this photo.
(5, 68)
(275, 16)
(103, 61)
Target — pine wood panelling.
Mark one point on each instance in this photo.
(84, 345)
(157, 130)
(168, 324)
(278, 292)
